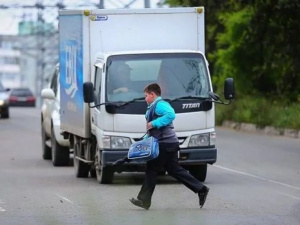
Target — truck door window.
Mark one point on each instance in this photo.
(97, 86)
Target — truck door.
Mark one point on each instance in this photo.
(97, 97)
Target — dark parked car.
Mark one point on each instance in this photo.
(21, 97)
(4, 103)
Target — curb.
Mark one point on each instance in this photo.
(268, 130)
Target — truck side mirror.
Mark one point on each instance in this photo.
(229, 89)
(88, 92)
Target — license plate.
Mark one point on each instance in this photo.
(22, 99)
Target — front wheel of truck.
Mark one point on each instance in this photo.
(82, 169)
(104, 174)
(198, 171)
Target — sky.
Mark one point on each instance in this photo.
(11, 17)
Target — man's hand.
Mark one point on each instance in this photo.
(120, 90)
(149, 126)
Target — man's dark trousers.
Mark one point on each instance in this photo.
(169, 161)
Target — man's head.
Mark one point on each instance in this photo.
(123, 71)
(152, 91)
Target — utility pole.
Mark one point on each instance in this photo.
(40, 48)
(147, 3)
(101, 4)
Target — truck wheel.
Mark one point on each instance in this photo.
(81, 168)
(45, 147)
(60, 154)
(199, 172)
(105, 174)
(93, 173)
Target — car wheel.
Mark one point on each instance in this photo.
(5, 114)
(46, 148)
(60, 154)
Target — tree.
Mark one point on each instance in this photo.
(260, 48)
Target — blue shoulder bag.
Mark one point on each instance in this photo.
(146, 149)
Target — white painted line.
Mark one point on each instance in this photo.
(2, 209)
(291, 196)
(64, 198)
(257, 177)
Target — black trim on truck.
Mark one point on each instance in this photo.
(187, 156)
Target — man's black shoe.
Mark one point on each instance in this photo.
(202, 194)
(139, 203)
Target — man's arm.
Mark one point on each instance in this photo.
(166, 115)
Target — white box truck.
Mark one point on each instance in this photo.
(164, 46)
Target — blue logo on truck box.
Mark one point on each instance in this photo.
(71, 50)
(71, 68)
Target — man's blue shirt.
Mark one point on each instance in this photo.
(165, 112)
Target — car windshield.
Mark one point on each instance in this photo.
(178, 74)
(21, 92)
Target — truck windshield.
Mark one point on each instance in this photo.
(178, 74)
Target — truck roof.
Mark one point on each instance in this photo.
(101, 55)
(199, 9)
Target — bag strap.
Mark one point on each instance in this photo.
(152, 110)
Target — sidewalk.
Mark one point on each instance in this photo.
(268, 130)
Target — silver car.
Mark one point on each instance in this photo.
(54, 145)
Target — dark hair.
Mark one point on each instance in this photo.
(153, 88)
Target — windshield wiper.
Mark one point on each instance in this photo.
(118, 103)
(189, 97)
(133, 100)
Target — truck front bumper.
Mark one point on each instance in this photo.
(186, 156)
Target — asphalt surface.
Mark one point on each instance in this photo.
(255, 181)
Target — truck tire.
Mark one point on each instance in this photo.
(46, 149)
(81, 168)
(60, 154)
(105, 175)
(198, 171)
(93, 173)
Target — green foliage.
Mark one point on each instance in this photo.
(261, 111)
(259, 49)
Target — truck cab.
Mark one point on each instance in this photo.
(118, 117)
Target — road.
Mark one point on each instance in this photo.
(255, 181)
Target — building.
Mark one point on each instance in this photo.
(10, 70)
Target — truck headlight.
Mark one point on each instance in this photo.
(2, 102)
(199, 140)
(115, 142)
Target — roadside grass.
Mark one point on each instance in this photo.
(260, 111)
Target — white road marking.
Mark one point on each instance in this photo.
(257, 177)
(64, 198)
(1, 209)
(291, 196)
